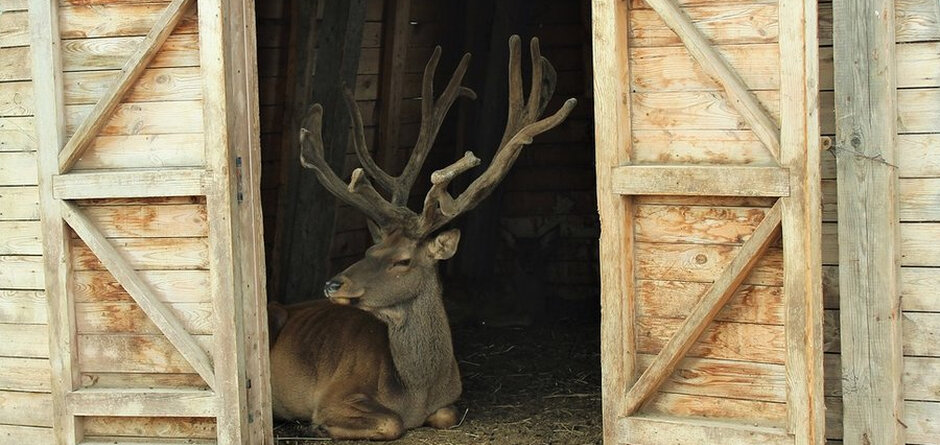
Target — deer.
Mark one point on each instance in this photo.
(375, 357)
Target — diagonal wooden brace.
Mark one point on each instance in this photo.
(131, 71)
(158, 312)
(718, 69)
(704, 311)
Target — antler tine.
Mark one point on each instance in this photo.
(432, 116)
(438, 203)
(359, 141)
(359, 192)
(516, 100)
(543, 81)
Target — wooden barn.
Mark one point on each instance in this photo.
(733, 239)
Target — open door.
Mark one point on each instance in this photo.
(147, 121)
(708, 186)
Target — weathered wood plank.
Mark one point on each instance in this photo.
(395, 42)
(17, 134)
(24, 340)
(12, 66)
(18, 168)
(130, 184)
(919, 155)
(22, 306)
(144, 151)
(916, 20)
(695, 110)
(164, 427)
(143, 403)
(677, 146)
(918, 110)
(706, 225)
(16, 98)
(142, 118)
(148, 253)
(918, 64)
(155, 84)
(921, 334)
(25, 374)
(25, 408)
(750, 412)
(169, 286)
(700, 180)
(721, 340)
(134, 353)
(21, 272)
(655, 430)
(673, 69)
(918, 289)
(19, 203)
(701, 263)
(722, 378)
(142, 380)
(14, 29)
(918, 199)
(16, 434)
(149, 221)
(129, 19)
(20, 238)
(722, 25)
(111, 53)
(918, 246)
(749, 304)
(112, 318)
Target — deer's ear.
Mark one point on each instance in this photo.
(444, 245)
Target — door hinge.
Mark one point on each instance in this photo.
(239, 189)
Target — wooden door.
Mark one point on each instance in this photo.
(707, 140)
(147, 126)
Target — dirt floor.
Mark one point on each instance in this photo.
(537, 385)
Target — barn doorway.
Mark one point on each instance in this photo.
(523, 291)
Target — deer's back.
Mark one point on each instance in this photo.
(327, 350)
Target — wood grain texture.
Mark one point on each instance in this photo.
(720, 24)
(20, 238)
(721, 340)
(111, 53)
(21, 272)
(170, 286)
(130, 183)
(749, 304)
(673, 69)
(702, 263)
(724, 378)
(700, 180)
(142, 118)
(14, 29)
(21, 340)
(133, 353)
(139, 403)
(25, 374)
(146, 253)
(153, 85)
(654, 429)
(165, 427)
(25, 408)
(19, 203)
(17, 134)
(109, 19)
(16, 98)
(719, 147)
(749, 412)
(144, 151)
(23, 306)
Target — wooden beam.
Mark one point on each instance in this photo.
(394, 52)
(704, 311)
(45, 46)
(717, 68)
(655, 430)
(869, 232)
(700, 180)
(143, 403)
(137, 288)
(130, 184)
(613, 147)
(135, 66)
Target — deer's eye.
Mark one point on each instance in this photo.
(402, 263)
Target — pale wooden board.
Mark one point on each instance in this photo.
(148, 253)
(134, 353)
(17, 134)
(705, 225)
(922, 378)
(700, 180)
(112, 318)
(919, 417)
(918, 244)
(163, 427)
(694, 110)
(111, 53)
(22, 306)
(13, 5)
(18, 435)
(25, 408)
(16, 99)
(916, 20)
(149, 221)
(14, 65)
(721, 340)
(673, 69)
(142, 380)
(724, 378)
(154, 85)
(919, 289)
(731, 24)
(674, 299)
(701, 263)
(20, 238)
(24, 340)
(143, 118)
(659, 429)
(14, 29)
(917, 199)
(18, 168)
(921, 334)
(171, 286)
(144, 151)
(751, 412)
(918, 64)
(140, 183)
(918, 157)
(919, 110)
(21, 272)
(25, 374)
(110, 20)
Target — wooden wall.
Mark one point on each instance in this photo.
(918, 146)
(25, 400)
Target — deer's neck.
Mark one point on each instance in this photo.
(419, 337)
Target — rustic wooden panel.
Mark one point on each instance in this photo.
(163, 427)
(677, 146)
(721, 340)
(109, 20)
(144, 151)
(921, 420)
(111, 318)
(749, 411)
(134, 353)
(103, 380)
(674, 299)
(706, 110)
(17, 134)
(918, 64)
(143, 118)
(915, 20)
(25, 408)
(21, 272)
(14, 29)
(702, 263)
(16, 98)
(706, 225)
(920, 378)
(20, 238)
(17, 435)
(722, 378)
(148, 253)
(919, 110)
(171, 286)
(149, 221)
(22, 306)
(111, 53)
(19, 203)
(919, 155)
(24, 340)
(18, 168)
(673, 69)
(918, 244)
(155, 84)
(921, 334)
(25, 374)
(918, 289)
(917, 199)
(722, 25)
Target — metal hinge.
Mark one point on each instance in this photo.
(239, 189)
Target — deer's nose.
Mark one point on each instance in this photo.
(332, 286)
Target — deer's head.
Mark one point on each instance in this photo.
(402, 263)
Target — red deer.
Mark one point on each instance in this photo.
(376, 358)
